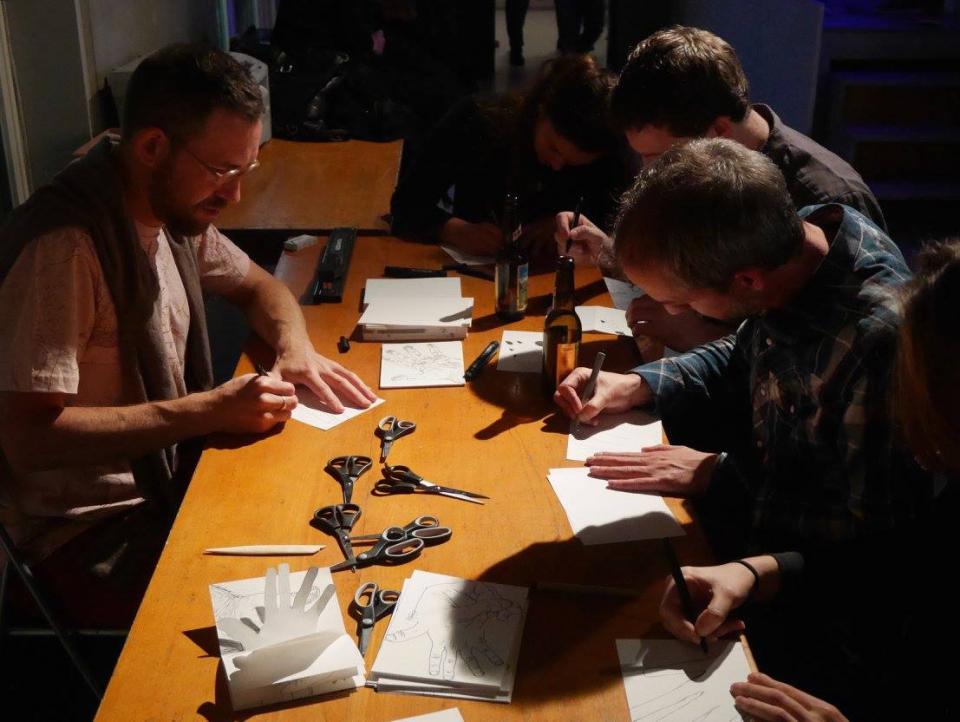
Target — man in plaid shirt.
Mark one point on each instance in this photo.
(711, 227)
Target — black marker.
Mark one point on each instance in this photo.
(261, 371)
(575, 223)
(681, 583)
(465, 270)
(406, 272)
(477, 366)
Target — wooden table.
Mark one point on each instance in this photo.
(317, 186)
(498, 436)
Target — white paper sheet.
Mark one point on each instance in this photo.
(320, 658)
(452, 637)
(674, 681)
(468, 259)
(378, 289)
(419, 312)
(630, 431)
(622, 292)
(409, 365)
(599, 515)
(602, 319)
(444, 715)
(521, 351)
(311, 411)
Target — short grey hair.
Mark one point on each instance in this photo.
(704, 211)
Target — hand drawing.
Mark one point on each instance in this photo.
(462, 622)
(280, 618)
(414, 363)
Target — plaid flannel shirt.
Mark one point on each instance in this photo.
(823, 464)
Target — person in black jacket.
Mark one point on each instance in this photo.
(551, 145)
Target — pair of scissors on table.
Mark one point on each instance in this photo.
(372, 604)
(389, 429)
(395, 545)
(346, 470)
(403, 480)
(337, 520)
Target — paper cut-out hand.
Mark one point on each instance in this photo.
(283, 620)
(455, 619)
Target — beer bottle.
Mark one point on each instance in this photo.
(512, 266)
(561, 329)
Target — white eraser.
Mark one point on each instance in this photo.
(298, 242)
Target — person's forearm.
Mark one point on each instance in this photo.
(276, 317)
(82, 436)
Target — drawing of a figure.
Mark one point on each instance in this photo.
(425, 361)
(468, 623)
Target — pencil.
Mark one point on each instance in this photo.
(587, 392)
(576, 222)
(681, 583)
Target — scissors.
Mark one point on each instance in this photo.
(372, 604)
(389, 429)
(337, 520)
(346, 470)
(396, 544)
(402, 480)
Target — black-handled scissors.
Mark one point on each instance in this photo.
(403, 480)
(346, 470)
(371, 604)
(425, 527)
(393, 546)
(389, 429)
(337, 520)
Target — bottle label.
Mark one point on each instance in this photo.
(522, 273)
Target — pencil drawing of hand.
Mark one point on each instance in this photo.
(281, 619)
(461, 623)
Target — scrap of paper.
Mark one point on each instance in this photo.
(411, 365)
(521, 352)
(313, 412)
(599, 515)
(630, 431)
(604, 320)
(468, 259)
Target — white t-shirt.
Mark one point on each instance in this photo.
(58, 333)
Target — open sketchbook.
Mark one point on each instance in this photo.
(673, 681)
(282, 638)
(452, 637)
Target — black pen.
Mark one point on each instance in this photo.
(261, 371)
(681, 583)
(405, 272)
(466, 270)
(576, 222)
(474, 369)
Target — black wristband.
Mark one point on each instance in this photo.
(756, 577)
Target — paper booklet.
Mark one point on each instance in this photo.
(282, 638)
(452, 637)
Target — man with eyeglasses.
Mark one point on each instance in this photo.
(105, 374)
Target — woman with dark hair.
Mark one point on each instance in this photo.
(550, 146)
(880, 603)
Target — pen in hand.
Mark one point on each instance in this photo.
(261, 371)
(681, 583)
(575, 223)
(588, 389)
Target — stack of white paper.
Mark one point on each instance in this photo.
(415, 309)
(451, 637)
(674, 681)
(599, 515)
(278, 644)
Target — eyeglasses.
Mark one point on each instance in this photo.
(222, 176)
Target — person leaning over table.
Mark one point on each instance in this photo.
(682, 83)
(549, 145)
(105, 373)
(883, 580)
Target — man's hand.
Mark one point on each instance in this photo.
(661, 469)
(681, 332)
(333, 384)
(588, 242)
(716, 592)
(251, 404)
(764, 698)
(478, 239)
(613, 394)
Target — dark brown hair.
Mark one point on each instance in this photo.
(177, 88)
(682, 79)
(704, 211)
(927, 390)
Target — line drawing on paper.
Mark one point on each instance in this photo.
(421, 363)
(469, 623)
